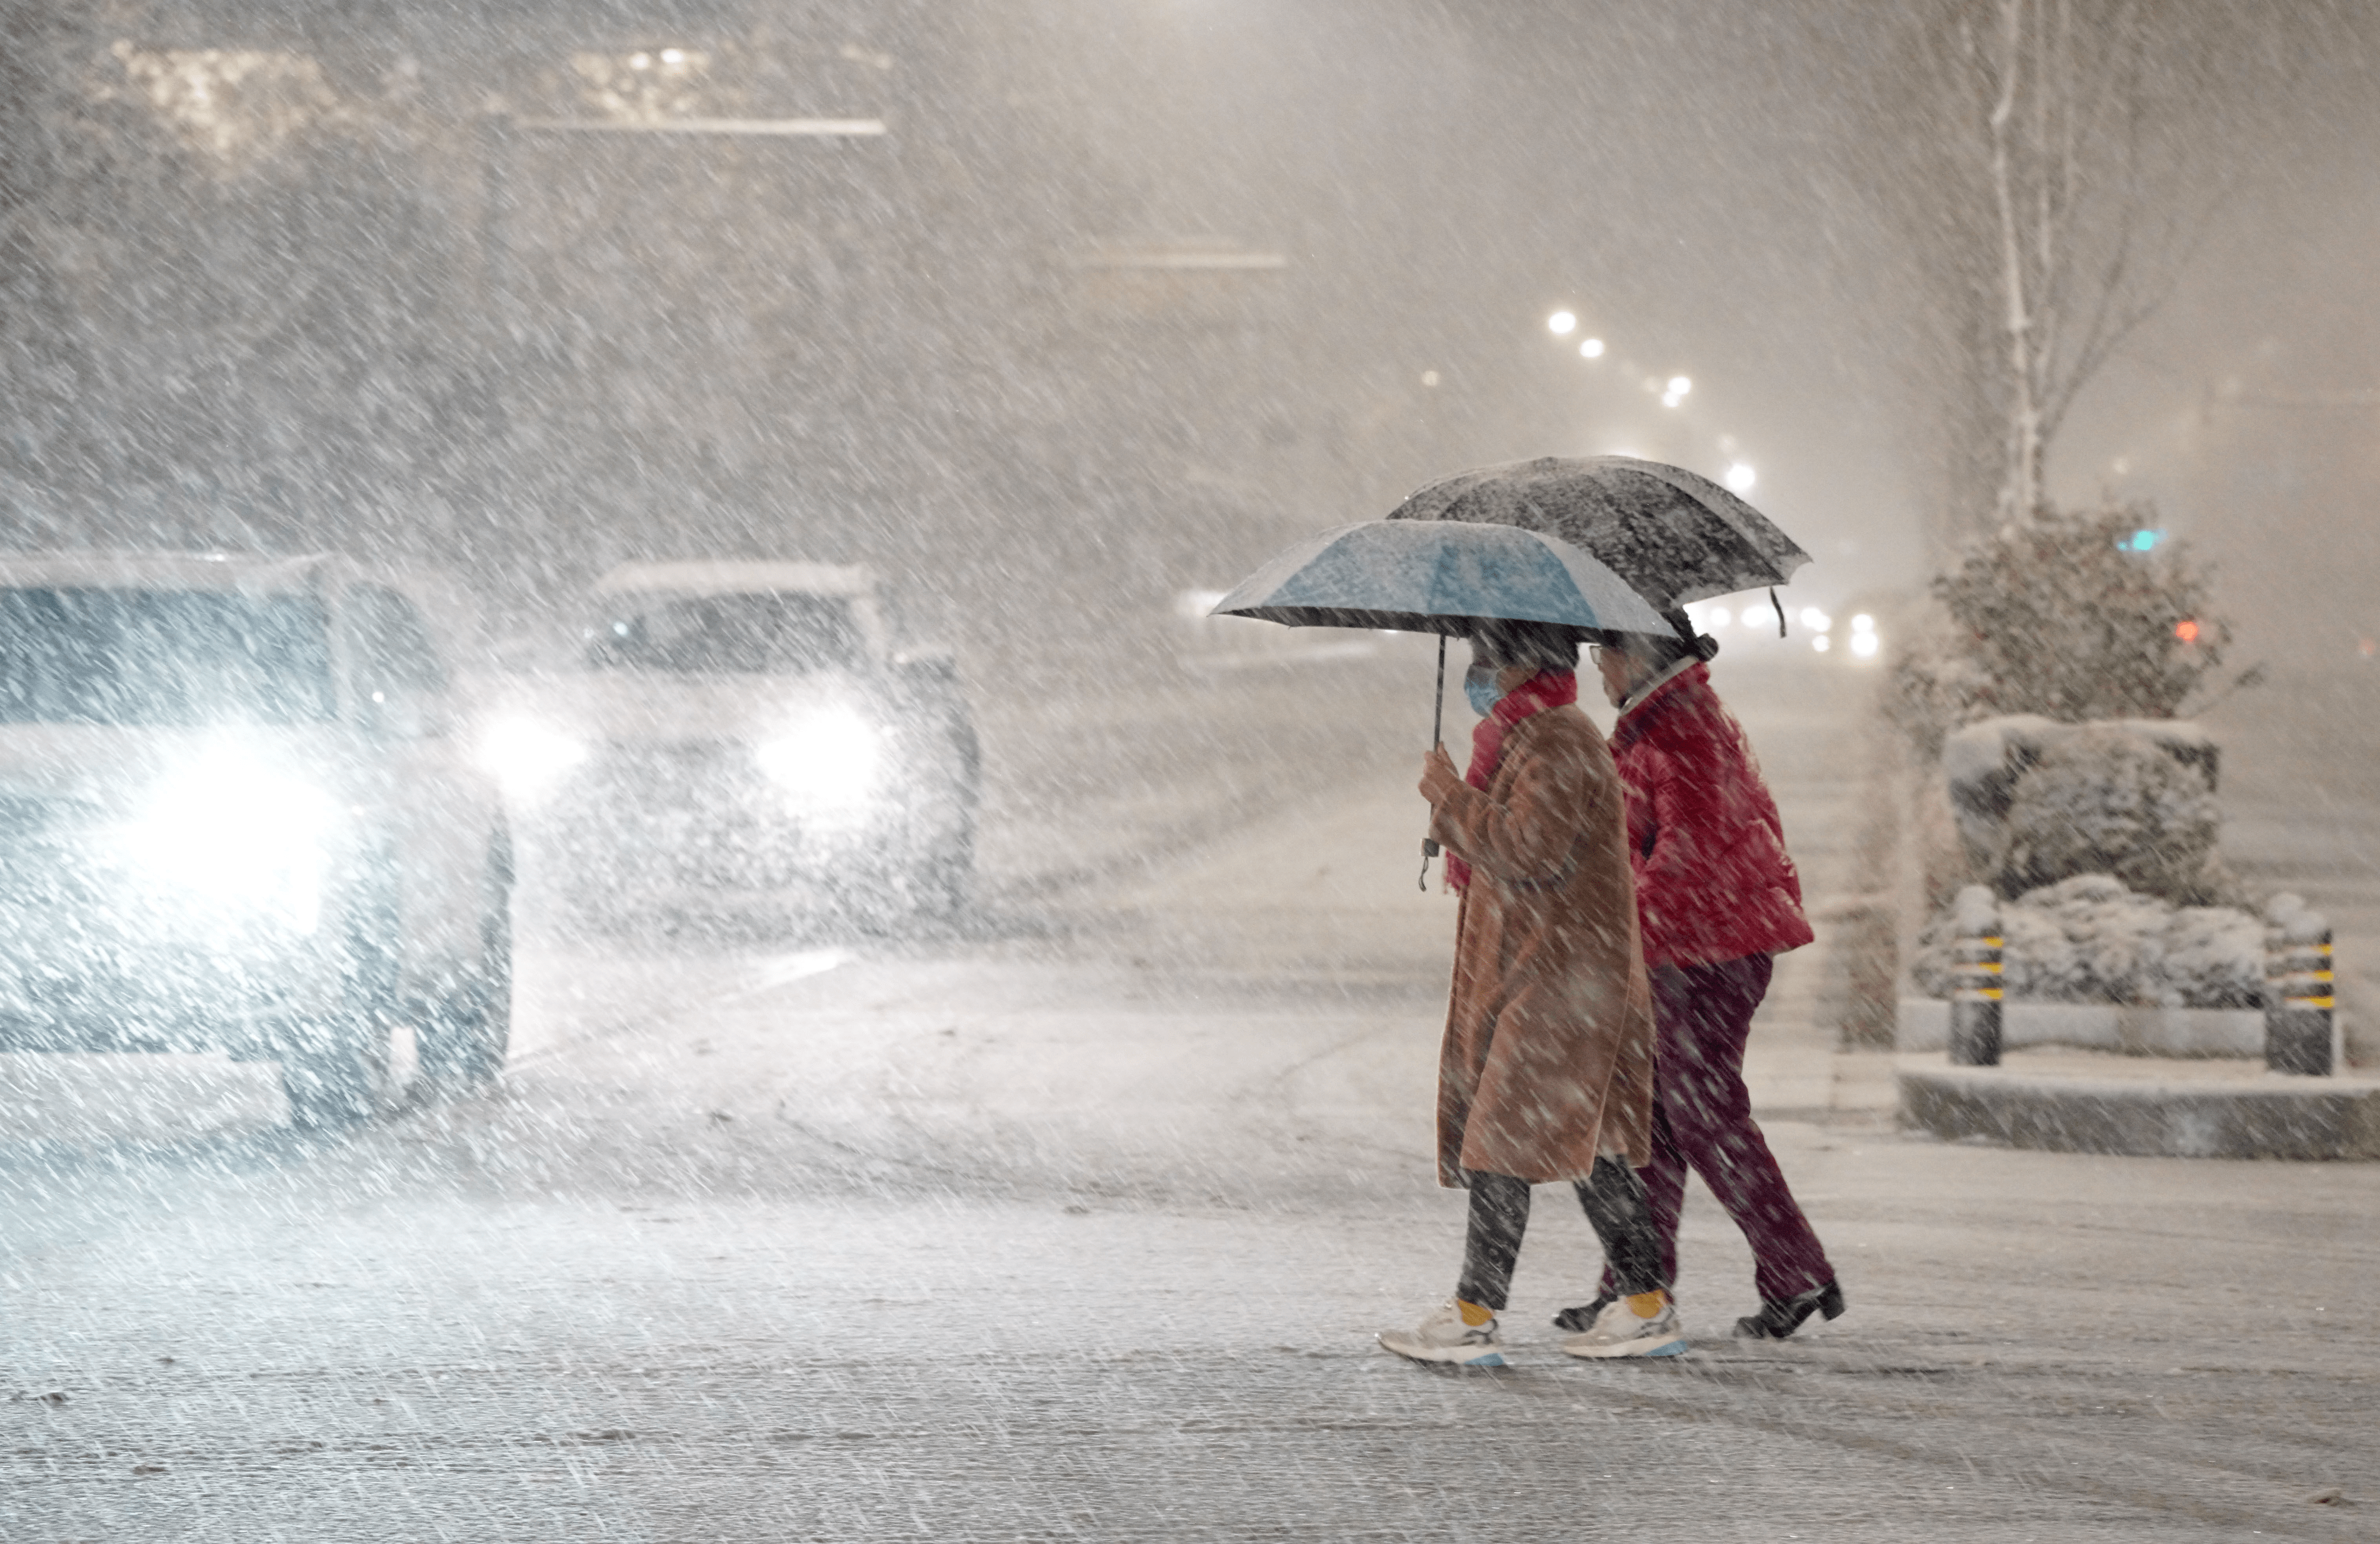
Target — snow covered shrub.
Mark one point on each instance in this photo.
(2214, 957)
(2061, 614)
(2101, 801)
(2089, 939)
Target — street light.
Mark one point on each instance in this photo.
(1561, 324)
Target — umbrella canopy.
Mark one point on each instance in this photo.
(1438, 577)
(1672, 536)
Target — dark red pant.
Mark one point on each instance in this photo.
(1701, 1119)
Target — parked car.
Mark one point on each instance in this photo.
(737, 728)
(236, 816)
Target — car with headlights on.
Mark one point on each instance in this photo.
(747, 729)
(237, 814)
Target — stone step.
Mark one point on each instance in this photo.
(2144, 1106)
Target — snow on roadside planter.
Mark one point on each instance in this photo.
(2100, 839)
(2039, 801)
(2106, 802)
(2089, 939)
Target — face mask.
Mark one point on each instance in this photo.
(1480, 689)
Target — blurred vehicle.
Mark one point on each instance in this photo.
(235, 816)
(736, 727)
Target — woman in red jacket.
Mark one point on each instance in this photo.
(1716, 897)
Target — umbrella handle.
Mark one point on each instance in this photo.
(1438, 705)
(1437, 738)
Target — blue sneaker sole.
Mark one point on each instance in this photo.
(1668, 1349)
(1449, 1355)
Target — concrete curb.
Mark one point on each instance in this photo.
(2297, 1118)
(1924, 1024)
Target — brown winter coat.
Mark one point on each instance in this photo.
(1548, 1051)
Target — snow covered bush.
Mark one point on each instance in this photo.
(2062, 614)
(2090, 939)
(2213, 957)
(2103, 801)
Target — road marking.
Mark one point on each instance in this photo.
(790, 968)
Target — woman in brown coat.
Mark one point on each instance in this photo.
(1545, 1074)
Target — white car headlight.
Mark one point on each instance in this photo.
(231, 828)
(827, 761)
(527, 757)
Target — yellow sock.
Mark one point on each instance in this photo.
(1473, 1314)
(1648, 1305)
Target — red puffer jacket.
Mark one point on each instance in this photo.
(1713, 880)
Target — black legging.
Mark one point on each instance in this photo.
(1614, 1200)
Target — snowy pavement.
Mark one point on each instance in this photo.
(2302, 811)
(1077, 1223)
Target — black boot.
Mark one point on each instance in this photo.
(1779, 1317)
(1583, 1319)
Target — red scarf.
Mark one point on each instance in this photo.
(1544, 690)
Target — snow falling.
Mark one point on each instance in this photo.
(646, 896)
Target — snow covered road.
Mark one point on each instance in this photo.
(1077, 1223)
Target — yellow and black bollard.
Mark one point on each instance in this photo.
(2299, 1000)
(1975, 979)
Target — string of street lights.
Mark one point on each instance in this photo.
(1739, 475)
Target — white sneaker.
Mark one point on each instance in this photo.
(1444, 1337)
(1618, 1332)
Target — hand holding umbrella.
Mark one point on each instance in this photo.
(1440, 776)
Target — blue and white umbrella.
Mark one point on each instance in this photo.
(1441, 576)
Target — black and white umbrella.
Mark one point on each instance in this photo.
(1674, 535)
